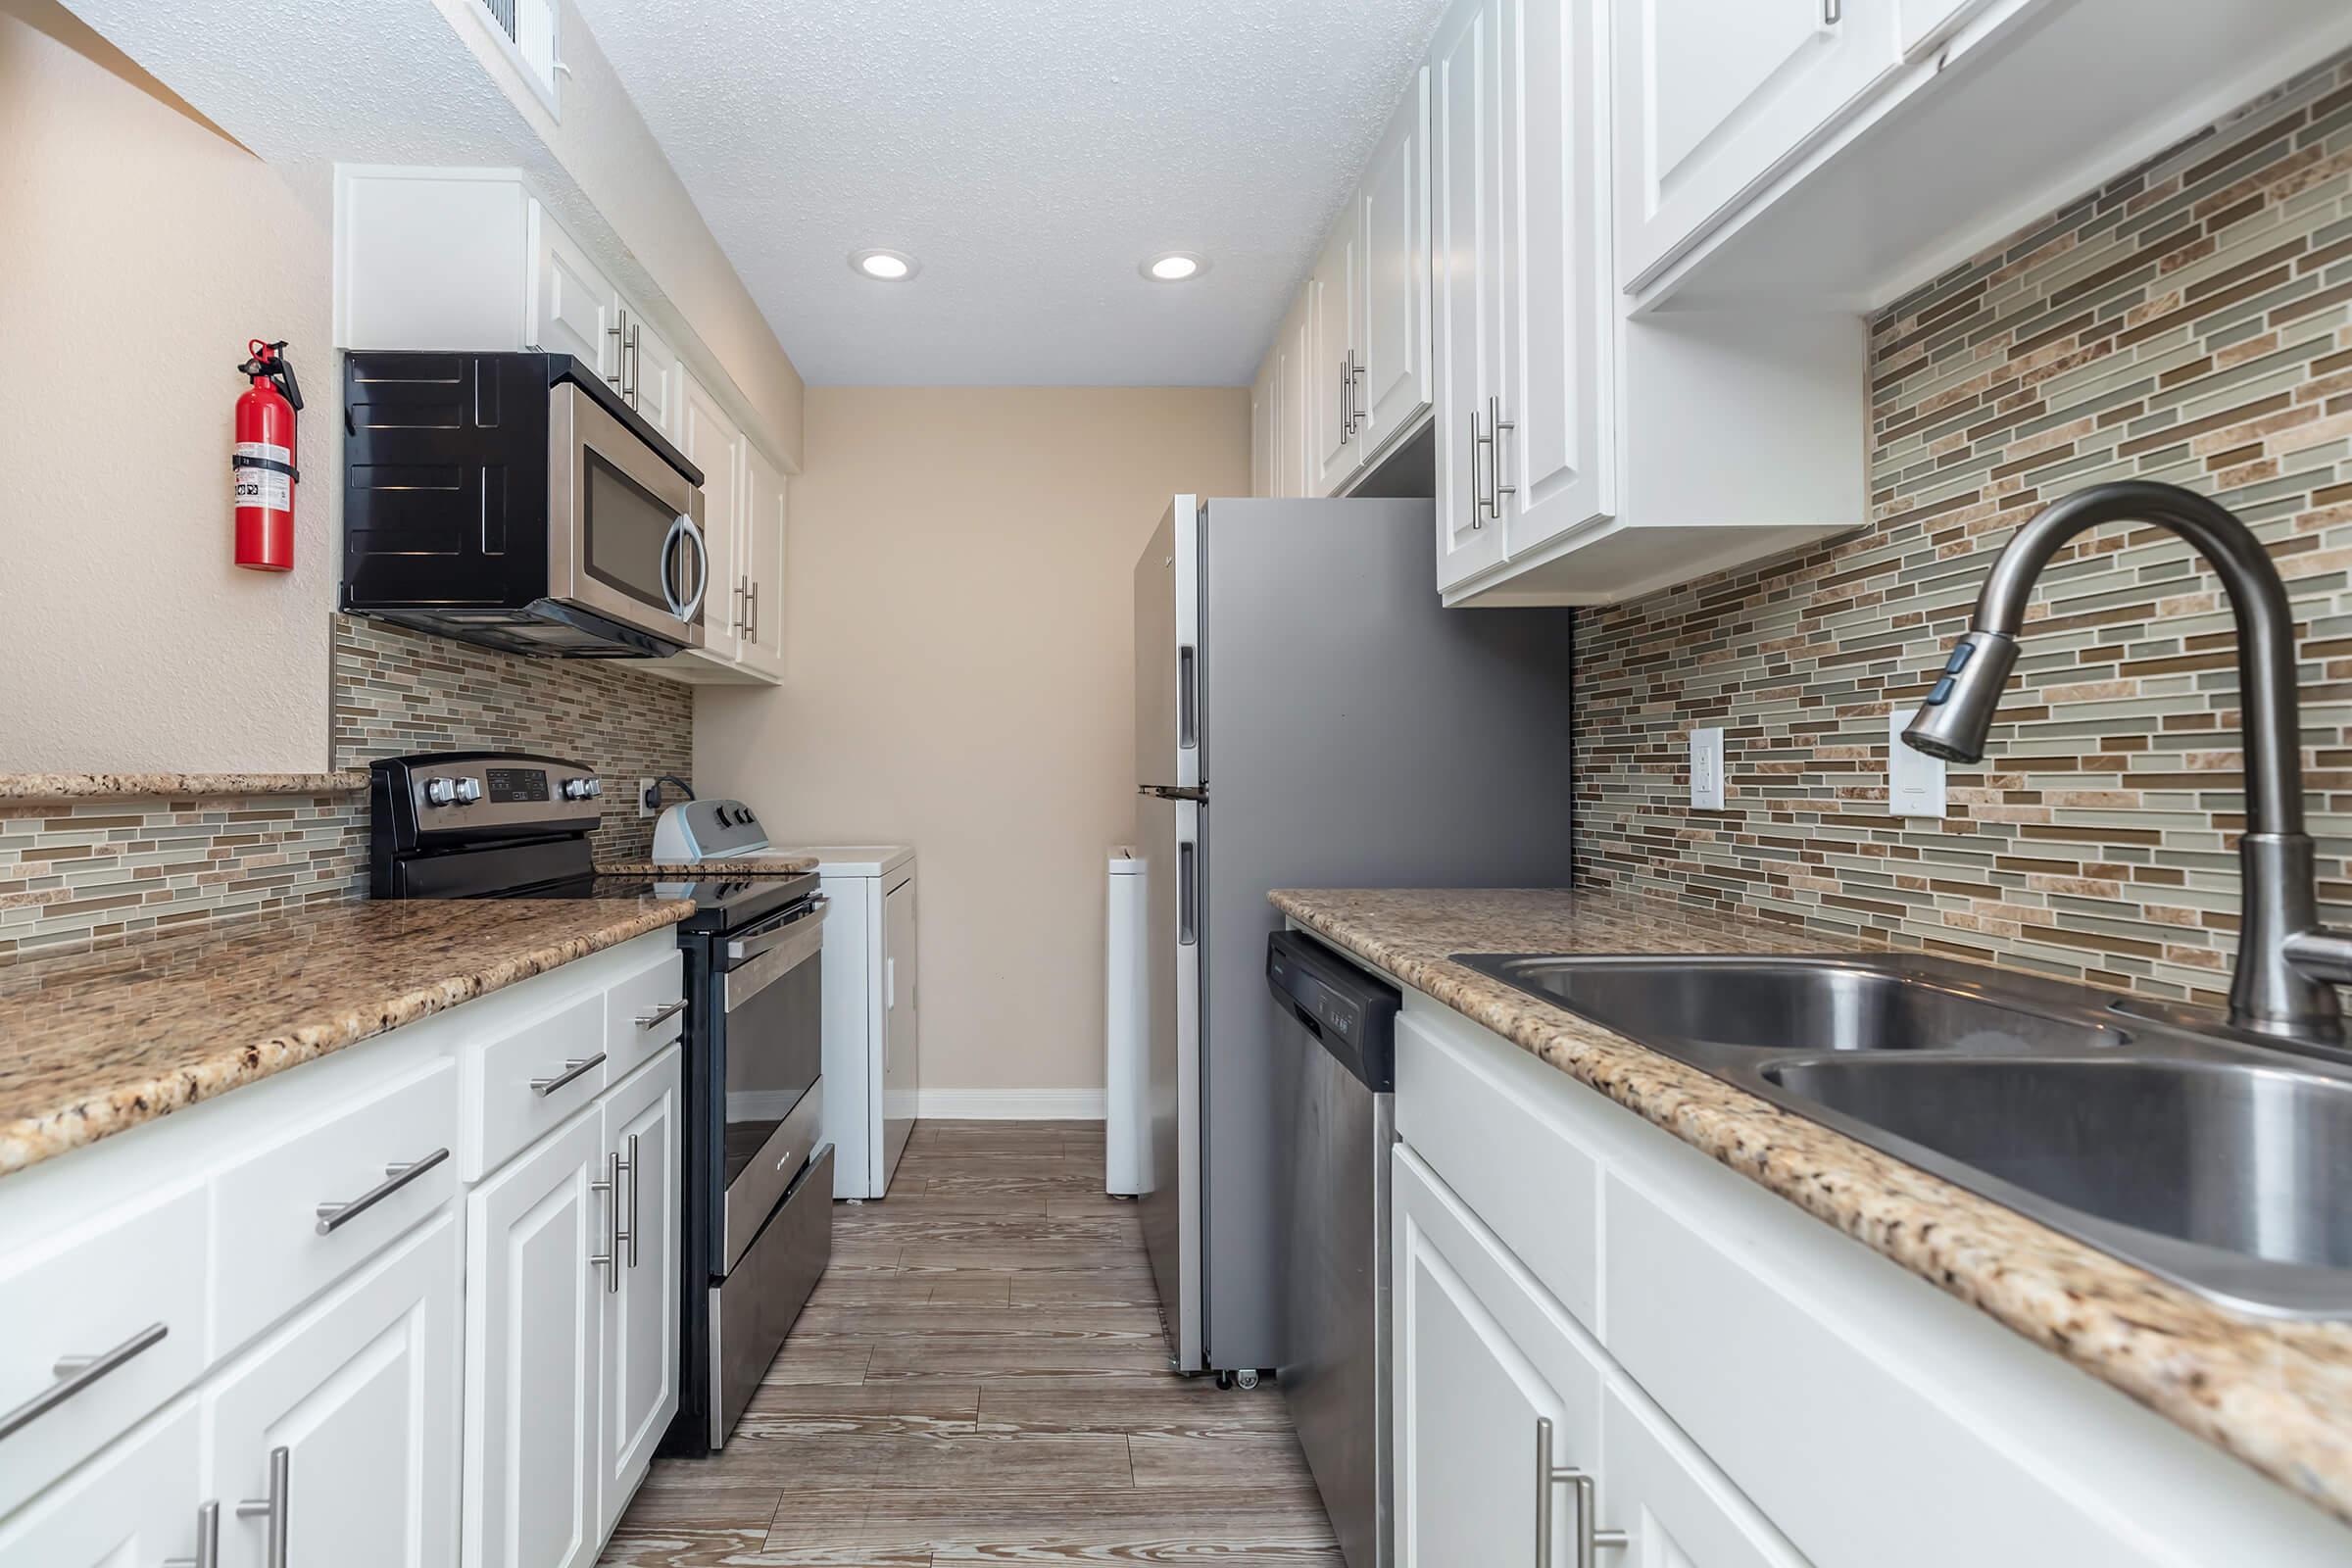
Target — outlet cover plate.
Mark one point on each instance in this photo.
(1706, 769)
(1914, 780)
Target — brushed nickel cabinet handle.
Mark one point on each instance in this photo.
(573, 1066)
(1833, 12)
(1356, 401)
(276, 1508)
(619, 347)
(630, 1165)
(75, 1373)
(1495, 426)
(610, 1257)
(1588, 1540)
(332, 1217)
(208, 1541)
(662, 1015)
(1477, 500)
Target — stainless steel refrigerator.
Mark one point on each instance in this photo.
(1306, 715)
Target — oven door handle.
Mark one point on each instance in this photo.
(771, 958)
(743, 952)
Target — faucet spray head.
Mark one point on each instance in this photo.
(1956, 715)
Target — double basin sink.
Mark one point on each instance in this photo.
(2149, 1132)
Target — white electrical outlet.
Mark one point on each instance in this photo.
(1706, 769)
(645, 794)
(1914, 779)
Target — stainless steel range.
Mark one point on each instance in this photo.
(758, 1182)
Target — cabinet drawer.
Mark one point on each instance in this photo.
(100, 1290)
(1480, 1110)
(134, 1505)
(522, 1085)
(644, 1013)
(274, 1249)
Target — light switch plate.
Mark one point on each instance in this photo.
(1914, 779)
(1706, 769)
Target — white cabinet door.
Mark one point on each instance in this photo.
(1485, 1368)
(1468, 109)
(344, 1425)
(1265, 404)
(1670, 1500)
(534, 1299)
(1333, 352)
(1713, 95)
(1393, 383)
(901, 1022)
(713, 444)
(652, 377)
(574, 308)
(640, 1331)
(1290, 343)
(760, 611)
(1555, 460)
(135, 1506)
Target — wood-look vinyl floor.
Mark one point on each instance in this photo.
(981, 1378)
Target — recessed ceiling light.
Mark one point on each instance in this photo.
(1174, 267)
(884, 266)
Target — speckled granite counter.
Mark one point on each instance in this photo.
(94, 1042)
(735, 865)
(2278, 1394)
(190, 786)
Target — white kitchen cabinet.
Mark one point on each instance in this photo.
(1265, 414)
(341, 1430)
(1481, 1359)
(1332, 311)
(137, 1505)
(574, 311)
(872, 1030)
(712, 443)
(652, 378)
(536, 1271)
(761, 548)
(1392, 381)
(1293, 446)
(1469, 109)
(638, 1353)
(1716, 94)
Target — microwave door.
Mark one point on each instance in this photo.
(624, 529)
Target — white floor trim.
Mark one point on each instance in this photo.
(1009, 1105)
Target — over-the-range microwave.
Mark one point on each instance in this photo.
(517, 500)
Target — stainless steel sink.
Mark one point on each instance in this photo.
(2156, 1134)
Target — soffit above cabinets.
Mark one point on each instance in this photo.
(1029, 153)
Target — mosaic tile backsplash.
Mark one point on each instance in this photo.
(2190, 322)
(82, 873)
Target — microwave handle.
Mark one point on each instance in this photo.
(685, 529)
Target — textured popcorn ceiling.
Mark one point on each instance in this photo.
(1030, 153)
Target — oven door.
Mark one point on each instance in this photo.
(772, 1043)
(624, 529)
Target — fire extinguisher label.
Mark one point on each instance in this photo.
(263, 477)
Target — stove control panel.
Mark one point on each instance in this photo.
(452, 796)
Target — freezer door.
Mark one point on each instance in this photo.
(1168, 837)
(1167, 665)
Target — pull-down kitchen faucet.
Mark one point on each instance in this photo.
(2289, 964)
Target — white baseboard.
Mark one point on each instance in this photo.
(1009, 1105)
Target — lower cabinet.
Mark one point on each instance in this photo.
(1514, 1439)
(571, 1340)
(339, 1434)
(133, 1506)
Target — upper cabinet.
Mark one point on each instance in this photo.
(469, 258)
(1714, 94)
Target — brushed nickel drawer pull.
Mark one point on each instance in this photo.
(662, 1015)
(630, 1165)
(333, 1217)
(573, 1066)
(208, 1541)
(75, 1373)
(1548, 1475)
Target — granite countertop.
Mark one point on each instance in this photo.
(198, 786)
(2276, 1394)
(94, 1042)
(778, 865)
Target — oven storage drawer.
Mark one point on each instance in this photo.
(753, 1194)
(755, 1309)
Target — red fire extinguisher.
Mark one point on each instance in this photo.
(263, 462)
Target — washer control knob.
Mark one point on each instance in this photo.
(440, 791)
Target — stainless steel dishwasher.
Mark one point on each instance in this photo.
(1336, 1072)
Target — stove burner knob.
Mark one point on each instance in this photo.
(440, 791)
(470, 790)
(596, 786)
(576, 788)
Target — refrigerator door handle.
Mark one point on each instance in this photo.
(1188, 896)
(1188, 705)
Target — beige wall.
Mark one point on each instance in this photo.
(139, 249)
(960, 675)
